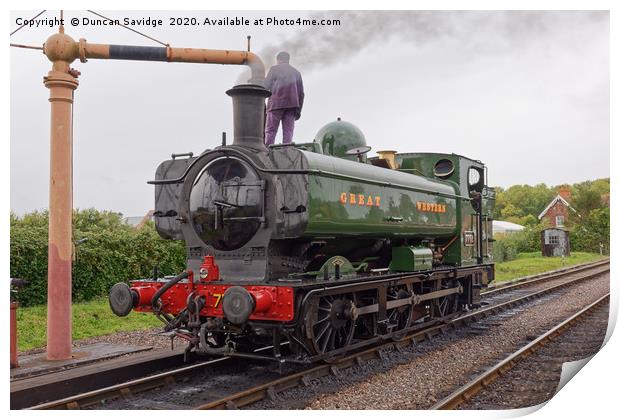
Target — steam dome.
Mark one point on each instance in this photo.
(339, 136)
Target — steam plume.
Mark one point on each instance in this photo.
(321, 46)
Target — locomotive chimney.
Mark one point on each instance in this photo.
(249, 115)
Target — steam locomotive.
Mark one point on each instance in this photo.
(314, 245)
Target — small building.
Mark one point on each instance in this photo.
(502, 227)
(138, 221)
(559, 211)
(555, 242)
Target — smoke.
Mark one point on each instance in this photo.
(321, 46)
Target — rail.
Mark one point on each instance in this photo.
(472, 388)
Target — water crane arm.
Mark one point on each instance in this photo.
(83, 50)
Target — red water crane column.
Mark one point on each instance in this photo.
(61, 81)
(13, 332)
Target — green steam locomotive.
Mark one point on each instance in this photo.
(316, 245)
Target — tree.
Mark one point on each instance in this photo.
(585, 199)
(601, 186)
(592, 232)
(511, 211)
(519, 201)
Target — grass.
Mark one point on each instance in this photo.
(529, 263)
(90, 319)
(94, 318)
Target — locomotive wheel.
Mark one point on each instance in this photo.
(399, 318)
(445, 306)
(330, 323)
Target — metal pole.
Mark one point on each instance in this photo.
(61, 83)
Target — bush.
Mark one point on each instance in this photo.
(504, 249)
(508, 246)
(113, 252)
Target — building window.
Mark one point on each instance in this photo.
(552, 237)
(559, 220)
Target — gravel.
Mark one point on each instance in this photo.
(535, 379)
(140, 338)
(422, 375)
(213, 383)
(149, 338)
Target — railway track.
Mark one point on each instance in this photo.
(31, 390)
(527, 281)
(301, 376)
(483, 381)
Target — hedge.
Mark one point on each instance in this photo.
(112, 252)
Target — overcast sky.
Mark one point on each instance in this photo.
(525, 92)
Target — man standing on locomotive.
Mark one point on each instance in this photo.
(286, 100)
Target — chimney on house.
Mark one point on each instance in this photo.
(564, 192)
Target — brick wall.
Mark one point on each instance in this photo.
(558, 209)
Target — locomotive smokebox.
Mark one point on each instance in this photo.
(249, 115)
